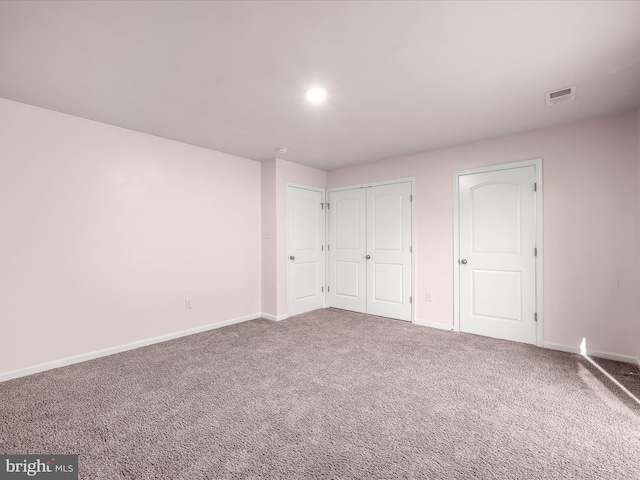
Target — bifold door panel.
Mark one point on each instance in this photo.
(370, 250)
(347, 250)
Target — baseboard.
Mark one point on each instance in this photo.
(426, 323)
(274, 318)
(593, 353)
(22, 372)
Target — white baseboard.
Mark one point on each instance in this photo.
(21, 372)
(594, 353)
(426, 323)
(274, 318)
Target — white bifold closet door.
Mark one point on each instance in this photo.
(370, 250)
(347, 250)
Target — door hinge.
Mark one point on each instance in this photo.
(535, 252)
(410, 299)
(328, 206)
(535, 316)
(411, 198)
(535, 187)
(322, 205)
(410, 249)
(328, 288)
(322, 248)
(322, 289)
(328, 247)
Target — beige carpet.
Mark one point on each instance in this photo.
(328, 394)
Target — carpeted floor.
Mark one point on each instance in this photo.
(328, 394)
(627, 374)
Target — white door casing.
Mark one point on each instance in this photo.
(348, 246)
(305, 252)
(497, 256)
(374, 222)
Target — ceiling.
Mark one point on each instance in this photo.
(402, 77)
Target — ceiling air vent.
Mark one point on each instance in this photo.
(560, 96)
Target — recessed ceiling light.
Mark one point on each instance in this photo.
(316, 95)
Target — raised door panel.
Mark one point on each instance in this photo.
(389, 248)
(497, 241)
(305, 253)
(347, 246)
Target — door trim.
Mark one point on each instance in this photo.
(539, 293)
(411, 180)
(323, 192)
(376, 184)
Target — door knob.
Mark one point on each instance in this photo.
(368, 257)
(291, 257)
(463, 261)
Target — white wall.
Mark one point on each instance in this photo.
(106, 231)
(591, 225)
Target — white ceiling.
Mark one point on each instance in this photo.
(402, 77)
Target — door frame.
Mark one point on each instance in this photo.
(411, 180)
(323, 193)
(539, 263)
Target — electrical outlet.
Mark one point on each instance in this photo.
(187, 303)
(267, 234)
(429, 296)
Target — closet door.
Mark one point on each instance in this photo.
(389, 251)
(347, 250)
(370, 250)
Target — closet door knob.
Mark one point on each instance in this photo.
(291, 257)
(368, 257)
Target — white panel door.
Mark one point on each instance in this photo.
(347, 250)
(389, 251)
(305, 252)
(497, 260)
(370, 250)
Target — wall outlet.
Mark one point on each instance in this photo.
(429, 296)
(187, 303)
(267, 234)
